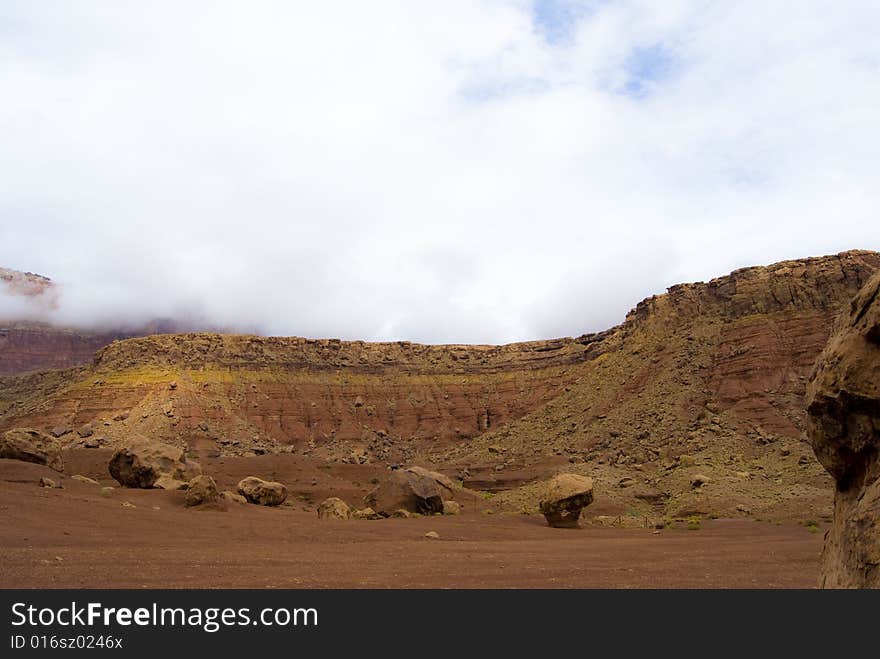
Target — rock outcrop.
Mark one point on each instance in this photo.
(260, 492)
(844, 428)
(31, 445)
(142, 464)
(565, 497)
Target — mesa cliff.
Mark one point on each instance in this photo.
(705, 380)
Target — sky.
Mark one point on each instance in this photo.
(477, 171)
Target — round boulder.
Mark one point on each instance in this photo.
(263, 493)
(565, 497)
(201, 489)
(334, 508)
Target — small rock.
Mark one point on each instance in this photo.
(451, 508)
(47, 482)
(699, 480)
(366, 513)
(84, 479)
(433, 535)
(401, 513)
(128, 504)
(107, 491)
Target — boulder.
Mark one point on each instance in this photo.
(366, 513)
(29, 445)
(142, 463)
(566, 495)
(406, 489)
(201, 489)
(334, 508)
(264, 493)
(446, 485)
(233, 497)
(843, 405)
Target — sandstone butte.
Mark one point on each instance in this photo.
(707, 378)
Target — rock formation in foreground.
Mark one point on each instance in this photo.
(844, 429)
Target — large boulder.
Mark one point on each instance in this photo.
(264, 493)
(334, 508)
(201, 489)
(566, 495)
(29, 445)
(843, 402)
(406, 489)
(142, 463)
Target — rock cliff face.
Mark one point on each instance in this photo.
(708, 378)
(30, 346)
(269, 391)
(844, 429)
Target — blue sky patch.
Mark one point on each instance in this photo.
(645, 67)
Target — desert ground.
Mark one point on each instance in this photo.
(78, 537)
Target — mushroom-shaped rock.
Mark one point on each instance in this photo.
(201, 489)
(843, 402)
(142, 463)
(334, 508)
(263, 493)
(565, 497)
(408, 490)
(29, 445)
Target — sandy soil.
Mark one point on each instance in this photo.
(74, 537)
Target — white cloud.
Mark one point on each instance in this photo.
(427, 171)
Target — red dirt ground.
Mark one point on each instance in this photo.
(75, 538)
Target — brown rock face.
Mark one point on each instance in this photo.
(143, 464)
(566, 496)
(844, 429)
(39, 346)
(31, 445)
